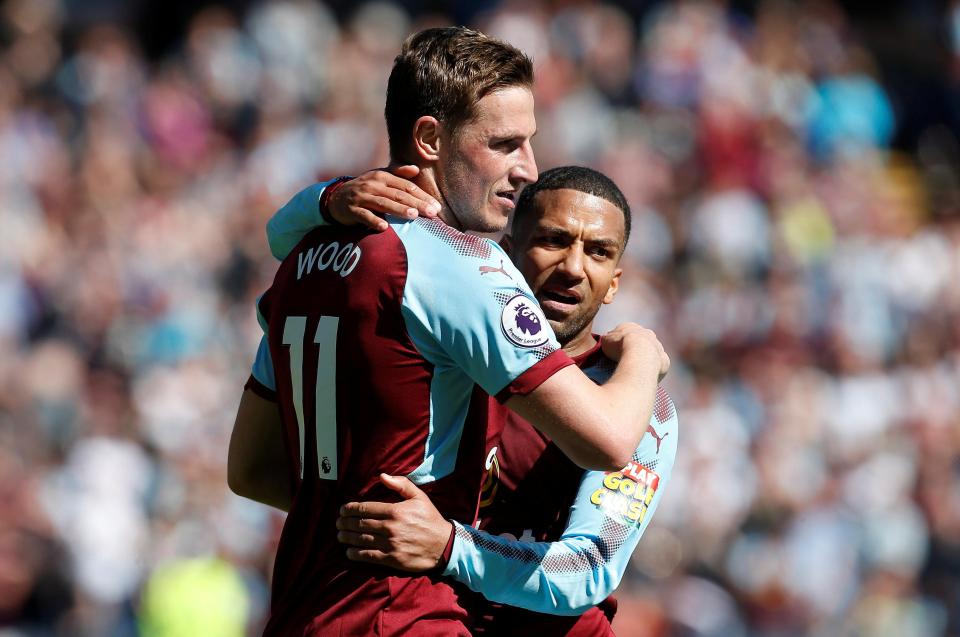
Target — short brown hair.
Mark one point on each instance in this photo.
(444, 72)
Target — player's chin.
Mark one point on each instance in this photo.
(564, 330)
(565, 321)
(494, 219)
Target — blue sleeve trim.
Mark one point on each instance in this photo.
(289, 225)
(262, 369)
(467, 307)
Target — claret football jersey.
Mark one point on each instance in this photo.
(382, 349)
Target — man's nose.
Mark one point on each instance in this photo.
(526, 169)
(572, 263)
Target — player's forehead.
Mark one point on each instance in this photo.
(575, 213)
(504, 113)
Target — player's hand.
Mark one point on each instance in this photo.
(409, 535)
(365, 199)
(631, 335)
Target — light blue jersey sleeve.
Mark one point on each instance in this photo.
(295, 219)
(285, 229)
(263, 366)
(468, 309)
(583, 567)
(262, 369)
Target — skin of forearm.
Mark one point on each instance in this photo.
(272, 492)
(630, 394)
(621, 410)
(257, 466)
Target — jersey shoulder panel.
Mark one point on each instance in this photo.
(468, 306)
(262, 369)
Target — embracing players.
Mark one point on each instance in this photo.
(381, 349)
(553, 539)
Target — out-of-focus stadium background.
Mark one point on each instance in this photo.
(793, 171)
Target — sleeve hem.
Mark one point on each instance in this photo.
(448, 549)
(535, 376)
(324, 203)
(260, 389)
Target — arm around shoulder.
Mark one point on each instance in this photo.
(599, 427)
(586, 564)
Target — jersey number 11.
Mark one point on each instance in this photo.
(325, 404)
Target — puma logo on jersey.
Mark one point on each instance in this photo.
(659, 438)
(486, 269)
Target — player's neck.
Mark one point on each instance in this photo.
(581, 343)
(427, 182)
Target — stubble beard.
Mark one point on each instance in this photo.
(471, 216)
(566, 331)
(478, 218)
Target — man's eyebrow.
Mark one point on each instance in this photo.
(502, 136)
(607, 243)
(554, 230)
(563, 232)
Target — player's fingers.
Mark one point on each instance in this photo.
(407, 192)
(423, 202)
(362, 540)
(401, 484)
(428, 208)
(369, 219)
(361, 525)
(370, 556)
(370, 510)
(664, 365)
(407, 171)
(395, 191)
(383, 202)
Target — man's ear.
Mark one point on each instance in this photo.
(426, 138)
(614, 286)
(506, 242)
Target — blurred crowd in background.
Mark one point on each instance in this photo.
(800, 262)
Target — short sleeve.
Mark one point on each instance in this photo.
(262, 370)
(287, 227)
(467, 306)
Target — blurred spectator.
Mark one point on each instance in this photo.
(201, 596)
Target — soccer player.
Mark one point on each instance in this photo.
(381, 349)
(577, 529)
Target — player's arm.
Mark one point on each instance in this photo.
(564, 577)
(604, 435)
(586, 564)
(257, 465)
(361, 200)
(477, 313)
